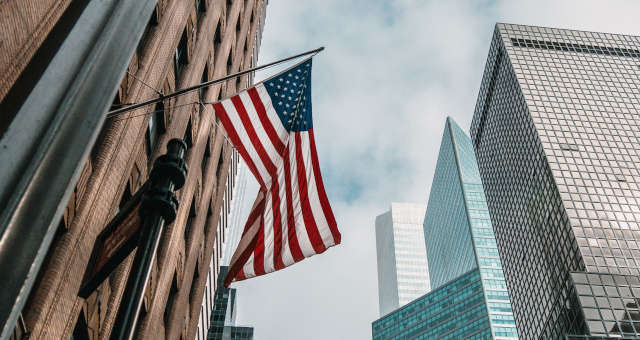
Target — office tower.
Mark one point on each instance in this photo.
(402, 259)
(223, 316)
(556, 134)
(185, 42)
(469, 298)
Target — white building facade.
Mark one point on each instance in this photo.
(403, 273)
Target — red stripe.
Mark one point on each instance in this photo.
(240, 276)
(236, 267)
(322, 194)
(258, 252)
(307, 213)
(277, 227)
(233, 135)
(253, 136)
(294, 246)
(266, 123)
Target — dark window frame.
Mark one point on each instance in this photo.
(180, 57)
(155, 128)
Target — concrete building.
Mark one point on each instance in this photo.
(402, 259)
(556, 134)
(184, 43)
(469, 298)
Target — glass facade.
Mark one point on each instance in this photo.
(458, 228)
(402, 258)
(469, 298)
(555, 132)
(455, 310)
(223, 316)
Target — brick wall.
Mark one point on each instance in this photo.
(119, 162)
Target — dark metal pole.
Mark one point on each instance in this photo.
(159, 206)
(209, 83)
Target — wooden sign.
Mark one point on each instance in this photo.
(118, 239)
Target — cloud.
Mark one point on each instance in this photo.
(391, 72)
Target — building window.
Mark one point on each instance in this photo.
(205, 159)
(170, 300)
(80, 331)
(187, 227)
(238, 25)
(200, 9)
(181, 58)
(125, 198)
(155, 128)
(187, 136)
(229, 63)
(217, 37)
(207, 223)
(203, 79)
(194, 282)
(219, 167)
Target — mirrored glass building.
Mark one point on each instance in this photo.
(557, 137)
(469, 299)
(401, 253)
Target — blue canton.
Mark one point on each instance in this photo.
(290, 94)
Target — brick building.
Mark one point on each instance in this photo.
(186, 42)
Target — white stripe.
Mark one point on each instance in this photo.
(301, 231)
(268, 235)
(269, 148)
(287, 258)
(246, 238)
(314, 198)
(271, 113)
(245, 140)
(248, 268)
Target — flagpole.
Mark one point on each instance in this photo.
(159, 206)
(209, 83)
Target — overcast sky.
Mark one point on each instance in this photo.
(391, 73)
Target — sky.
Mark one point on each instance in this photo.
(391, 73)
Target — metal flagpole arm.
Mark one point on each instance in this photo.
(159, 206)
(209, 83)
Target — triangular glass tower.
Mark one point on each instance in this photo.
(469, 297)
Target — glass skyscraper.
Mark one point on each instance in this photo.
(402, 258)
(223, 316)
(469, 298)
(557, 137)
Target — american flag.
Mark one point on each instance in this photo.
(271, 127)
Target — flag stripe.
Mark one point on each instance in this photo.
(281, 131)
(286, 254)
(277, 227)
(301, 231)
(233, 135)
(245, 247)
(271, 126)
(263, 136)
(307, 213)
(245, 139)
(322, 194)
(266, 123)
(255, 141)
(258, 253)
(292, 237)
(314, 200)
